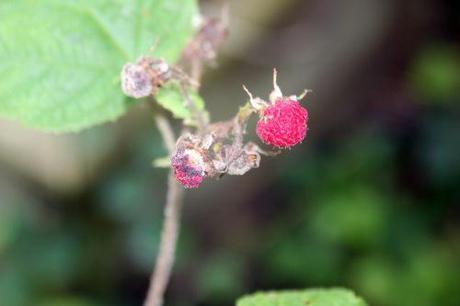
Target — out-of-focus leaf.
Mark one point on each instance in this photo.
(221, 277)
(55, 259)
(311, 297)
(18, 211)
(299, 257)
(438, 150)
(376, 277)
(436, 75)
(9, 223)
(357, 216)
(123, 198)
(66, 301)
(14, 289)
(60, 60)
(142, 244)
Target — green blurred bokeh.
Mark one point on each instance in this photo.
(369, 201)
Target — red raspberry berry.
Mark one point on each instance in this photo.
(283, 124)
(188, 166)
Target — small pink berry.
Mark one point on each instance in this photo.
(283, 124)
(189, 167)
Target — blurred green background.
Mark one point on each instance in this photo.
(370, 201)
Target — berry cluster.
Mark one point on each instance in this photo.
(221, 150)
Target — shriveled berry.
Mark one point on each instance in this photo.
(189, 167)
(283, 124)
(135, 81)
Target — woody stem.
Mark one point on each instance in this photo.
(170, 232)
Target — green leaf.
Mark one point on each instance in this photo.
(66, 301)
(60, 60)
(172, 99)
(311, 297)
(435, 74)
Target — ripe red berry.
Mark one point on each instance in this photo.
(283, 124)
(189, 167)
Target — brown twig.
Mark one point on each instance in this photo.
(170, 232)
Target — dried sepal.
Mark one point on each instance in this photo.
(210, 35)
(248, 159)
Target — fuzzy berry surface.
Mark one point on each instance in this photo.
(188, 168)
(283, 124)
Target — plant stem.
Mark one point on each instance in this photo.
(165, 259)
(166, 132)
(198, 115)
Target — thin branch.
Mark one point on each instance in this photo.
(165, 259)
(196, 71)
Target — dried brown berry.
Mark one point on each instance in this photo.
(135, 81)
(145, 77)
